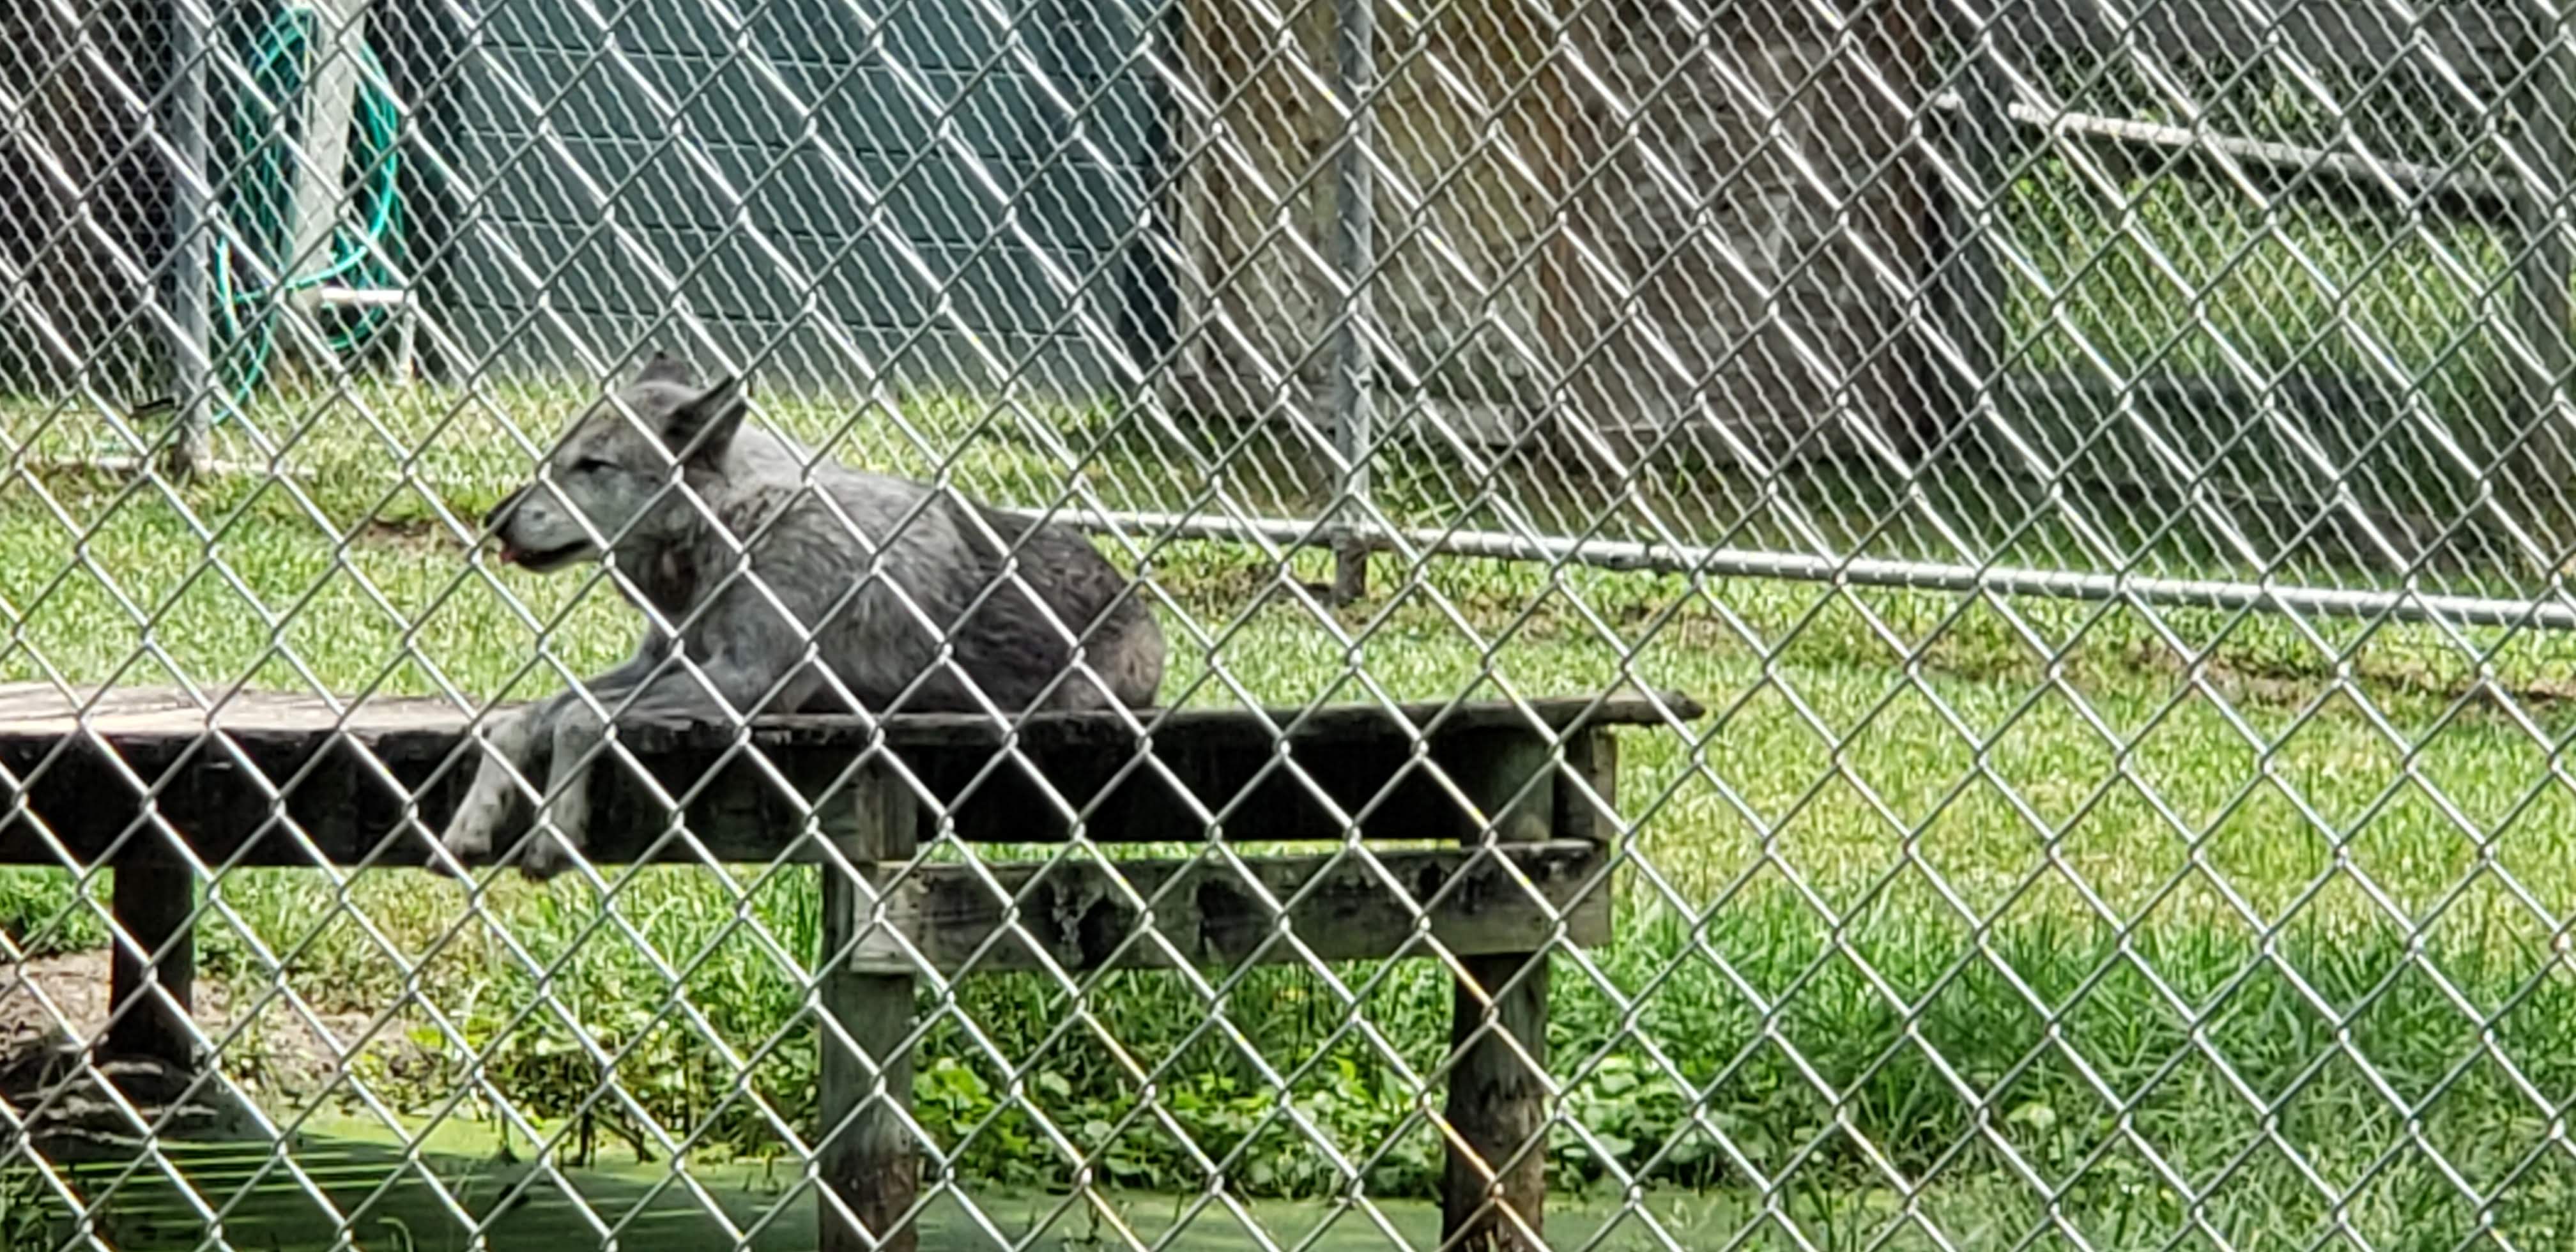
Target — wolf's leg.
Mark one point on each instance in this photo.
(514, 739)
(751, 643)
(578, 731)
(506, 756)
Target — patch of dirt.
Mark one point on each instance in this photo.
(75, 984)
(2289, 686)
(54, 1007)
(409, 533)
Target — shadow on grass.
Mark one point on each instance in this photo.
(384, 1197)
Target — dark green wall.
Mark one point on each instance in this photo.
(807, 248)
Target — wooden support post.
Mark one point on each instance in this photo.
(154, 902)
(1592, 755)
(1494, 1197)
(869, 1169)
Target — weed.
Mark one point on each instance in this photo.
(28, 1210)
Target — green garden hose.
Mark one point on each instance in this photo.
(259, 206)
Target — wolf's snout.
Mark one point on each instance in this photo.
(499, 517)
(500, 514)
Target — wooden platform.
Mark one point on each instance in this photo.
(1502, 856)
(371, 785)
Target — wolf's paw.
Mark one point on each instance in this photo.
(469, 834)
(548, 853)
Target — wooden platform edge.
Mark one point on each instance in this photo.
(157, 723)
(350, 801)
(1079, 915)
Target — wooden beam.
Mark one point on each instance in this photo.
(1081, 915)
(1593, 757)
(408, 724)
(1494, 1189)
(376, 790)
(154, 903)
(871, 1174)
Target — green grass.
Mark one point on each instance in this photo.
(2120, 914)
(358, 1182)
(2135, 923)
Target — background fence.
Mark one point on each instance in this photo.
(2105, 468)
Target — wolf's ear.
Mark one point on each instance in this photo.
(701, 430)
(665, 368)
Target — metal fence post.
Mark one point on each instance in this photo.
(1355, 256)
(191, 366)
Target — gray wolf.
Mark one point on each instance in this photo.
(863, 590)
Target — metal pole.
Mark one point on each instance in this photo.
(191, 366)
(1355, 255)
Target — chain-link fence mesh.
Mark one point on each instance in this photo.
(2104, 470)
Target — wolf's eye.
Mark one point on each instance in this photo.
(591, 465)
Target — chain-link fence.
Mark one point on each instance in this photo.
(1801, 626)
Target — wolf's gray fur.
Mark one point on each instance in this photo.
(818, 547)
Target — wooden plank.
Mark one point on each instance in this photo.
(1082, 917)
(870, 1172)
(154, 902)
(1248, 786)
(376, 792)
(1593, 757)
(1494, 1188)
(40, 710)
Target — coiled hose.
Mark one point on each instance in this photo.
(259, 205)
